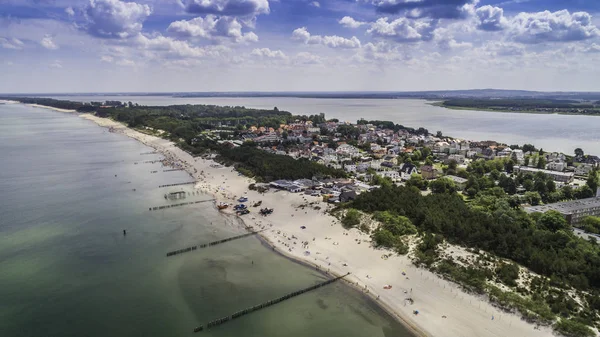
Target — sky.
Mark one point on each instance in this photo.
(53, 46)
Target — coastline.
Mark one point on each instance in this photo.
(444, 310)
(531, 112)
(49, 107)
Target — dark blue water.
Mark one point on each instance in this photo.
(68, 188)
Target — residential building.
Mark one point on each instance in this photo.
(394, 175)
(574, 211)
(428, 172)
(556, 165)
(584, 169)
(407, 171)
(518, 156)
(460, 183)
(563, 177)
(459, 159)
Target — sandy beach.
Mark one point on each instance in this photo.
(444, 310)
(49, 107)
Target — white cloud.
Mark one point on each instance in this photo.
(435, 9)
(11, 43)
(491, 18)
(56, 64)
(444, 39)
(227, 7)
(48, 43)
(115, 18)
(212, 28)
(402, 29)
(561, 26)
(126, 63)
(349, 22)
(593, 48)
(70, 11)
(315, 4)
(161, 47)
(332, 41)
(268, 53)
(106, 58)
(307, 58)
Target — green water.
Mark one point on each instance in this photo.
(66, 194)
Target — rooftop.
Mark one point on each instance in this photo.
(566, 207)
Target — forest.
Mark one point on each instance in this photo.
(55, 103)
(544, 243)
(264, 166)
(522, 104)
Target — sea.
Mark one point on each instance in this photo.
(551, 132)
(68, 190)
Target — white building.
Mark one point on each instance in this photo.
(557, 165)
(394, 175)
(347, 150)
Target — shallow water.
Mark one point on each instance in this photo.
(67, 192)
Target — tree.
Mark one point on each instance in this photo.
(351, 218)
(508, 273)
(541, 164)
(416, 180)
(284, 135)
(579, 153)
(593, 181)
(442, 185)
(429, 161)
(553, 221)
(532, 198)
(529, 148)
(438, 134)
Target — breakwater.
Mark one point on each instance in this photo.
(177, 184)
(214, 243)
(178, 205)
(263, 305)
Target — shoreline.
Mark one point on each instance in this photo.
(49, 107)
(444, 309)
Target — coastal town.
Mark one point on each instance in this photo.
(370, 153)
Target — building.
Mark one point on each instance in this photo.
(563, 177)
(428, 172)
(583, 169)
(556, 165)
(407, 171)
(460, 183)
(574, 211)
(394, 175)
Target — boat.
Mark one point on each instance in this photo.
(258, 203)
(222, 206)
(243, 199)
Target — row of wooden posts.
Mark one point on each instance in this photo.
(177, 205)
(266, 304)
(177, 184)
(205, 245)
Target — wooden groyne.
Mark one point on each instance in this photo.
(153, 152)
(171, 170)
(177, 184)
(205, 245)
(247, 311)
(178, 205)
(152, 161)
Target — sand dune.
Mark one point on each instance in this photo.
(444, 310)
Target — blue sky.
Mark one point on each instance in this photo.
(303, 45)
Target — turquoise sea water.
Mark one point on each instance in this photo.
(68, 188)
